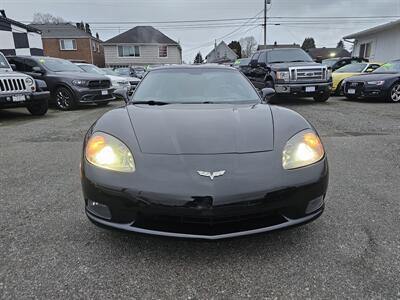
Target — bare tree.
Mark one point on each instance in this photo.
(46, 18)
(249, 45)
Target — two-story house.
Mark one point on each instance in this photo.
(141, 45)
(69, 42)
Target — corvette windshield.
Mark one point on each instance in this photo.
(390, 67)
(352, 68)
(196, 86)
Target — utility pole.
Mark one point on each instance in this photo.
(266, 2)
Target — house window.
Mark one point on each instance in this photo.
(129, 51)
(365, 50)
(94, 46)
(163, 51)
(68, 45)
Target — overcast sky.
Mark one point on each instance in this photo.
(326, 34)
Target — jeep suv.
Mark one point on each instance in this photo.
(69, 85)
(290, 71)
(20, 90)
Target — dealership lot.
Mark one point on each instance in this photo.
(352, 251)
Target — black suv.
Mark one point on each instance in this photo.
(69, 85)
(290, 71)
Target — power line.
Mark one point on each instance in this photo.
(239, 19)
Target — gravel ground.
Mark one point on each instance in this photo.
(50, 250)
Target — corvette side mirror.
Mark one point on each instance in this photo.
(267, 94)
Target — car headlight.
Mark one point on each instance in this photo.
(303, 149)
(107, 152)
(29, 81)
(378, 82)
(119, 83)
(329, 73)
(283, 76)
(79, 82)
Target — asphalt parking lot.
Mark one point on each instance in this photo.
(50, 250)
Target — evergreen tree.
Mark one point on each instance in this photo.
(235, 46)
(198, 59)
(340, 45)
(309, 43)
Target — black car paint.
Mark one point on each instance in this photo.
(166, 186)
(83, 95)
(364, 90)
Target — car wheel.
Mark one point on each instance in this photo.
(64, 99)
(394, 94)
(322, 97)
(38, 108)
(340, 89)
(101, 104)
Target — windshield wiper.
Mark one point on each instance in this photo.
(298, 61)
(151, 102)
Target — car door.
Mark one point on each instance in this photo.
(253, 66)
(29, 64)
(261, 71)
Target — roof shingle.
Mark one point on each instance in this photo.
(141, 35)
(62, 30)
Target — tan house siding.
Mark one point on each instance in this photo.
(148, 55)
(84, 52)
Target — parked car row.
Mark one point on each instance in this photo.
(293, 72)
(383, 83)
(21, 90)
(36, 81)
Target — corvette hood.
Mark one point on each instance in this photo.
(203, 128)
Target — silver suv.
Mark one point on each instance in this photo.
(20, 90)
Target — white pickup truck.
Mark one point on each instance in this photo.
(21, 90)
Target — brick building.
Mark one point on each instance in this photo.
(69, 42)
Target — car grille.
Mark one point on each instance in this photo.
(96, 84)
(12, 85)
(354, 85)
(308, 74)
(208, 225)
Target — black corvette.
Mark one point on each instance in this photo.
(198, 153)
(383, 83)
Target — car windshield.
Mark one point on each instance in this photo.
(59, 65)
(110, 72)
(195, 86)
(288, 55)
(390, 67)
(242, 62)
(329, 62)
(3, 63)
(123, 71)
(92, 69)
(352, 68)
(139, 69)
